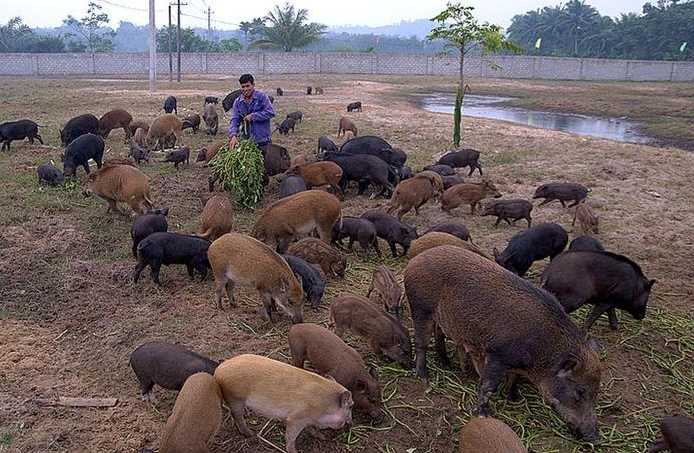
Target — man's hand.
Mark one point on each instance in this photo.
(248, 117)
(232, 142)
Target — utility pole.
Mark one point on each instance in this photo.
(209, 22)
(152, 49)
(178, 43)
(170, 49)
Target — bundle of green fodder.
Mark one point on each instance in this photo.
(240, 170)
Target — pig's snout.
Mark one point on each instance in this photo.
(297, 318)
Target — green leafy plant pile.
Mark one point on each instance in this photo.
(240, 171)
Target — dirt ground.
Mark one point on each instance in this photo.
(70, 314)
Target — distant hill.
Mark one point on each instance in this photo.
(419, 28)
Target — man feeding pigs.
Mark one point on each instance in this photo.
(254, 108)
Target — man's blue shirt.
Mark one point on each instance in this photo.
(260, 107)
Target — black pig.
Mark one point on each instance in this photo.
(443, 170)
(364, 169)
(167, 365)
(178, 156)
(508, 210)
(172, 248)
(354, 106)
(312, 281)
(450, 181)
(586, 243)
(391, 230)
(456, 229)
(291, 185)
(677, 435)
(170, 105)
(49, 174)
(80, 150)
(325, 144)
(535, 243)
(462, 158)
(562, 191)
(296, 116)
(605, 280)
(146, 224)
(18, 130)
(77, 126)
(286, 125)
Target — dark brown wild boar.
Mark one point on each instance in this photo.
(113, 120)
(330, 356)
(120, 183)
(509, 327)
(319, 174)
(489, 435)
(237, 259)
(162, 127)
(211, 118)
(436, 238)
(508, 210)
(196, 417)
(216, 218)
(315, 251)
(281, 391)
(296, 216)
(385, 333)
(385, 291)
(466, 193)
(587, 219)
(605, 280)
(346, 125)
(677, 435)
(562, 191)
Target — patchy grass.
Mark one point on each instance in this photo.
(70, 315)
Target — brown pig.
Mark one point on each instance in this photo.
(162, 127)
(315, 251)
(211, 118)
(298, 160)
(237, 259)
(386, 334)
(414, 192)
(385, 291)
(216, 218)
(277, 390)
(346, 125)
(586, 218)
(330, 356)
(298, 215)
(317, 174)
(206, 153)
(113, 120)
(489, 435)
(677, 435)
(120, 183)
(508, 326)
(196, 416)
(137, 124)
(467, 193)
(437, 238)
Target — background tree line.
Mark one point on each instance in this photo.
(576, 29)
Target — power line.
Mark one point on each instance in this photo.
(132, 8)
(213, 20)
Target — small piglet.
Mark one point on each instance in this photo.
(605, 280)
(587, 219)
(312, 280)
(677, 435)
(315, 251)
(562, 191)
(385, 333)
(356, 229)
(489, 435)
(354, 106)
(508, 210)
(196, 417)
(291, 185)
(49, 174)
(281, 391)
(297, 116)
(138, 152)
(167, 365)
(146, 224)
(586, 243)
(535, 243)
(330, 356)
(467, 193)
(391, 230)
(385, 291)
(456, 229)
(285, 126)
(178, 156)
(172, 248)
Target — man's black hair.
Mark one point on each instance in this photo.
(246, 78)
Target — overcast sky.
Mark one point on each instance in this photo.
(46, 13)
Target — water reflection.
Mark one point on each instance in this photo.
(492, 107)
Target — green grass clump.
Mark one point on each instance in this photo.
(241, 172)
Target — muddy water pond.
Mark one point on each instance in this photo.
(497, 108)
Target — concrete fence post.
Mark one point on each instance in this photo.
(581, 73)
(672, 71)
(534, 70)
(35, 65)
(626, 71)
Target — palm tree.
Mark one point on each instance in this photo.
(288, 29)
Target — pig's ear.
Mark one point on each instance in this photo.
(568, 367)
(346, 399)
